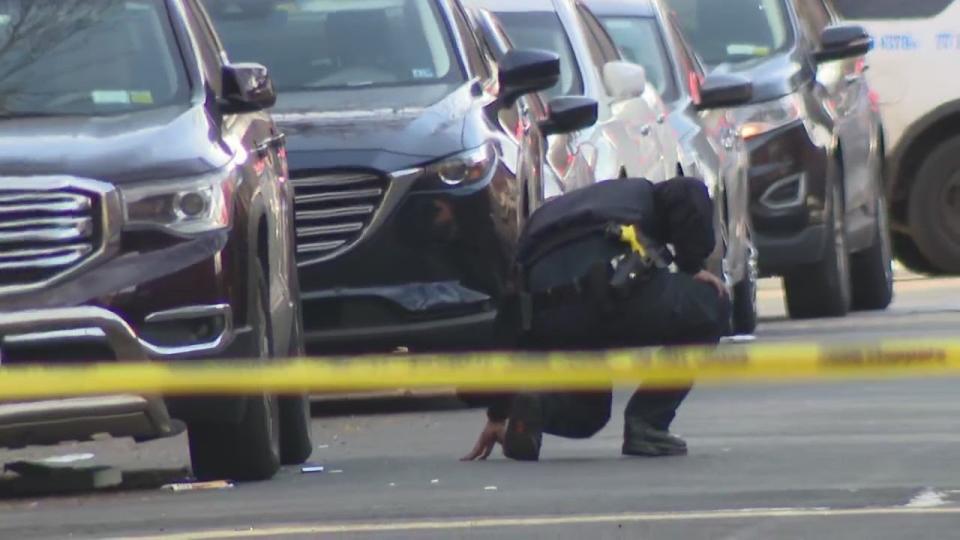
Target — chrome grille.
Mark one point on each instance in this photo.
(44, 233)
(333, 210)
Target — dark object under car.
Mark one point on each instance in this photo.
(144, 216)
(413, 161)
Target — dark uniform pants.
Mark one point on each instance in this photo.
(667, 309)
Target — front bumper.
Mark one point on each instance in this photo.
(788, 179)
(91, 333)
(427, 271)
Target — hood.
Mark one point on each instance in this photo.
(773, 76)
(385, 128)
(168, 142)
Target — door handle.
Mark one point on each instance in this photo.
(645, 130)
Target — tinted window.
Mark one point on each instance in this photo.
(641, 42)
(543, 30)
(339, 44)
(814, 17)
(87, 57)
(607, 48)
(890, 9)
(734, 30)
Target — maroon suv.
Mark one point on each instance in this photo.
(145, 215)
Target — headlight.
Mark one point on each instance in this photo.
(465, 168)
(761, 118)
(185, 207)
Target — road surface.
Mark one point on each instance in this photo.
(845, 460)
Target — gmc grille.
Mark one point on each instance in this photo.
(45, 233)
(333, 210)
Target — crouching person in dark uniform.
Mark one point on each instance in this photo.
(594, 267)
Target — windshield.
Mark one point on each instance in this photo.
(734, 30)
(87, 57)
(336, 44)
(543, 30)
(640, 41)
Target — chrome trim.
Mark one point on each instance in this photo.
(119, 335)
(218, 344)
(38, 326)
(398, 185)
(191, 312)
(347, 203)
(800, 179)
(55, 190)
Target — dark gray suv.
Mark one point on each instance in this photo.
(815, 140)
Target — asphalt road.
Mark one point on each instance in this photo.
(850, 460)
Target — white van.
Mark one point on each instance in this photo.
(913, 71)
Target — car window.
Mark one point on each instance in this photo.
(208, 45)
(814, 17)
(604, 44)
(478, 66)
(734, 30)
(891, 9)
(543, 30)
(640, 41)
(339, 44)
(88, 57)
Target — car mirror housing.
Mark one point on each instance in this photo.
(568, 114)
(721, 90)
(247, 88)
(624, 80)
(843, 41)
(525, 71)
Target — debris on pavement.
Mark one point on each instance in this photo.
(312, 469)
(198, 486)
(490, 488)
(435, 481)
(336, 471)
(37, 478)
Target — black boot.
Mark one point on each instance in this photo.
(642, 439)
(524, 429)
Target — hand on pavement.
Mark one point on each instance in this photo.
(704, 276)
(493, 433)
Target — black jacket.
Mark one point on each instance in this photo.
(677, 212)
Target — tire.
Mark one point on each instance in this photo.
(295, 443)
(248, 450)
(823, 289)
(934, 208)
(872, 269)
(745, 298)
(907, 252)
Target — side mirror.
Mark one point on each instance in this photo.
(624, 80)
(247, 88)
(525, 71)
(843, 41)
(721, 90)
(569, 113)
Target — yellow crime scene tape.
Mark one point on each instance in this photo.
(659, 367)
